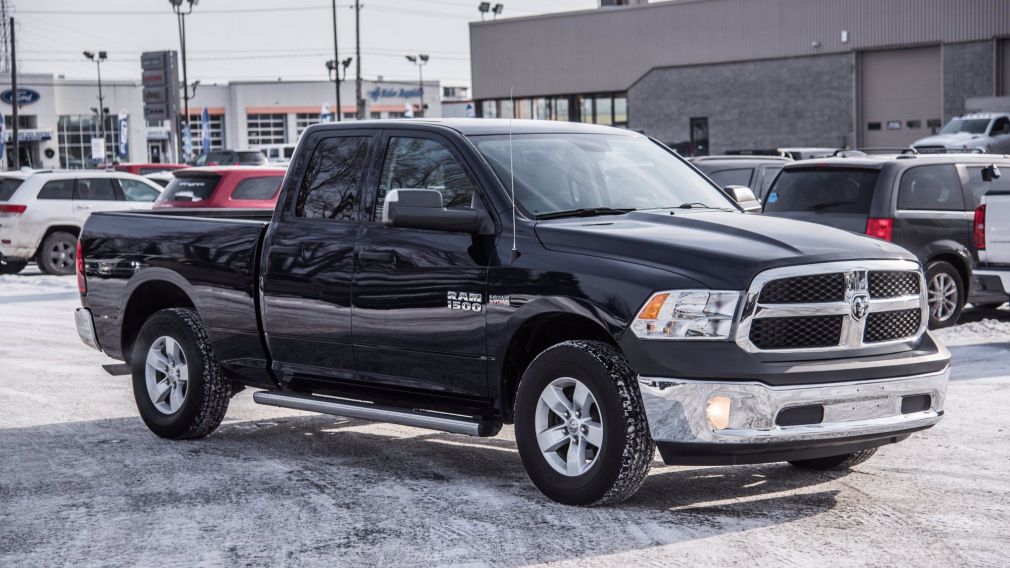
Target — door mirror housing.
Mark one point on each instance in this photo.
(744, 197)
(422, 209)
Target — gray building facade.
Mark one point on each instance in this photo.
(717, 75)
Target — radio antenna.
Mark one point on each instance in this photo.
(512, 180)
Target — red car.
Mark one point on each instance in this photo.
(144, 169)
(247, 187)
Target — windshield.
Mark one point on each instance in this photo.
(822, 190)
(601, 173)
(969, 125)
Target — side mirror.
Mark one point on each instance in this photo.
(744, 197)
(990, 173)
(422, 209)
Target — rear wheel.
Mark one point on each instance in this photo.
(580, 425)
(946, 294)
(178, 386)
(58, 254)
(842, 462)
(11, 267)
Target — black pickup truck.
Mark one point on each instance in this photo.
(583, 283)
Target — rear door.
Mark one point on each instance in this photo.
(308, 260)
(931, 213)
(835, 196)
(95, 194)
(419, 295)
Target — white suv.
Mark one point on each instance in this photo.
(41, 213)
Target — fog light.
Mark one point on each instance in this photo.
(717, 412)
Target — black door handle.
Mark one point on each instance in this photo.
(381, 256)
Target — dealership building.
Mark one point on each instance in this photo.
(58, 122)
(710, 76)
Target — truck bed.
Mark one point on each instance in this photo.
(209, 254)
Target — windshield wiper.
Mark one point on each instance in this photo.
(585, 212)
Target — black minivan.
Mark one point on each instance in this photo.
(923, 203)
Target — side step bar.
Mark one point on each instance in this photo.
(379, 413)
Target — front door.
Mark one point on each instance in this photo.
(308, 260)
(419, 295)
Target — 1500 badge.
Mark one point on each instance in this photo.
(466, 301)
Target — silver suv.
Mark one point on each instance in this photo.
(985, 131)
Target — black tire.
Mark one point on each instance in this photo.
(946, 272)
(842, 462)
(625, 455)
(58, 254)
(11, 267)
(207, 392)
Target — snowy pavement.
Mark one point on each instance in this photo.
(84, 483)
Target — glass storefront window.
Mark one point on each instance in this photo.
(489, 109)
(74, 134)
(585, 109)
(604, 109)
(524, 108)
(621, 111)
(541, 110)
(506, 109)
(560, 108)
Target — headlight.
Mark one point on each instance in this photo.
(687, 314)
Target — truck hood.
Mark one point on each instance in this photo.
(955, 140)
(722, 250)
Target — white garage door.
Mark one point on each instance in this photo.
(901, 95)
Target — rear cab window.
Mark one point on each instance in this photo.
(190, 188)
(257, 188)
(8, 186)
(823, 190)
(931, 188)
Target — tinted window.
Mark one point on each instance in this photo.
(190, 188)
(330, 186)
(1000, 127)
(823, 190)
(257, 188)
(722, 178)
(137, 191)
(976, 188)
(970, 125)
(95, 189)
(289, 151)
(218, 157)
(7, 187)
(57, 189)
(253, 157)
(419, 163)
(933, 188)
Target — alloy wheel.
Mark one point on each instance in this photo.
(942, 296)
(63, 254)
(167, 375)
(569, 426)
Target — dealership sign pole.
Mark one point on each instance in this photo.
(124, 136)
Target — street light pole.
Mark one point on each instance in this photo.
(181, 16)
(336, 58)
(333, 71)
(102, 56)
(420, 60)
(358, 106)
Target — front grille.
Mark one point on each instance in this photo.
(893, 284)
(805, 289)
(889, 326)
(796, 333)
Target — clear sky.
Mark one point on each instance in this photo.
(256, 39)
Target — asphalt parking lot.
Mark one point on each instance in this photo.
(84, 483)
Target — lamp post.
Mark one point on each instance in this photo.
(483, 8)
(336, 57)
(333, 70)
(420, 60)
(180, 15)
(101, 110)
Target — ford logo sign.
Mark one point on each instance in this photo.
(25, 96)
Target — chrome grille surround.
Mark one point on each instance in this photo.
(856, 275)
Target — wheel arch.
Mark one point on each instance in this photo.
(958, 262)
(146, 299)
(532, 337)
(73, 229)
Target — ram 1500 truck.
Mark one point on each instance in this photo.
(583, 283)
(992, 238)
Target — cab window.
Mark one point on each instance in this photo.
(976, 188)
(332, 181)
(422, 163)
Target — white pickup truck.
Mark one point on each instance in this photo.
(992, 240)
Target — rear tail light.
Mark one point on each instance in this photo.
(979, 228)
(82, 282)
(880, 227)
(12, 210)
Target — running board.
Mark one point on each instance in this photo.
(378, 413)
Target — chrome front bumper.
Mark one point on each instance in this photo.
(676, 409)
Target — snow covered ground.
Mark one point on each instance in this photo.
(83, 483)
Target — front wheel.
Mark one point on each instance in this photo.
(580, 425)
(178, 386)
(945, 293)
(842, 462)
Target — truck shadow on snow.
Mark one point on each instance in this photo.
(416, 490)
